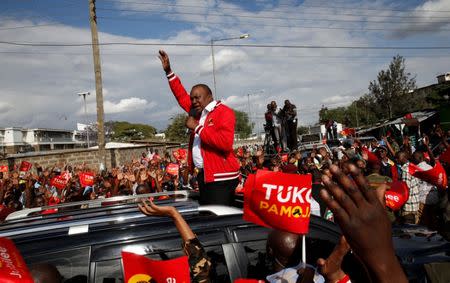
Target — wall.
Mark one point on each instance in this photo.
(114, 157)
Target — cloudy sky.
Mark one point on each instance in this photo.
(313, 53)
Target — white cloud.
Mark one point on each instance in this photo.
(127, 105)
(39, 84)
(223, 58)
(338, 99)
(424, 18)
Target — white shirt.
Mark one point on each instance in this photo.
(196, 146)
(290, 275)
(428, 193)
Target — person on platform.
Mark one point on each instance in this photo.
(211, 124)
(290, 113)
(278, 127)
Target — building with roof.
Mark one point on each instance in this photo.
(18, 140)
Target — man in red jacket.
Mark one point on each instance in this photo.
(211, 140)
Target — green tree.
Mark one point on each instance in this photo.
(336, 114)
(439, 97)
(393, 88)
(176, 131)
(243, 126)
(125, 131)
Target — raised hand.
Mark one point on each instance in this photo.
(330, 268)
(165, 61)
(151, 209)
(363, 221)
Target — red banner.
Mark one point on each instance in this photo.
(278, 200)
(173, 169)
(58, 182)
(12, 266)
(435, 176)
(4, 168)
(445, 156)
(66, 175)
(25, 166)
(138, 268)
(397, 195)
(86, 179)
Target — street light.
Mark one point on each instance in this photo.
(85, 115)
(242, 36)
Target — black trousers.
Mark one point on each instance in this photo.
(220, 192)
(292, 134)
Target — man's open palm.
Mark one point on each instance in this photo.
(164, 61)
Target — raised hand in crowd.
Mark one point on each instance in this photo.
(165, 61)
(363, 221)
(331, 268)
(199, 262)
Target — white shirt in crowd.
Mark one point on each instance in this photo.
(428, 193)
(196, 147)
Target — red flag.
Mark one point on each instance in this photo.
(86, 179)
(435, 176)
(348, 132)
(278, 200)
(12, 266)
(179, 154)
(173, 169)
(445, 156)
(240, 152)
(4, 168)
(58, 182)
(138, 268)
(394, 172)
(370, 156)
(25, 166)
(66, 175)
(397, 195)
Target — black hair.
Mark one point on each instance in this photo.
(205, 87)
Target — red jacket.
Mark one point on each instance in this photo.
(216, 136)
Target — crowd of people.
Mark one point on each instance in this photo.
(349, 184)
(381, 161)
(150, 172)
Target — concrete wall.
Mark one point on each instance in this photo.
(114, 157)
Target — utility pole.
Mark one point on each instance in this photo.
(85, 116)
(98, 83)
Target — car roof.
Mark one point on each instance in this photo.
(77, 217)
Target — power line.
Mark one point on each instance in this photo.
(30, 26)
(282, 12)
(302, 5)
(206, 55)
(229, 45)
(267, 25)
(265, 17)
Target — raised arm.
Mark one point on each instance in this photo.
(199, 262)
(175, 84)
(363, 222)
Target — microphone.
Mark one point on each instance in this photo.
(192, 113)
